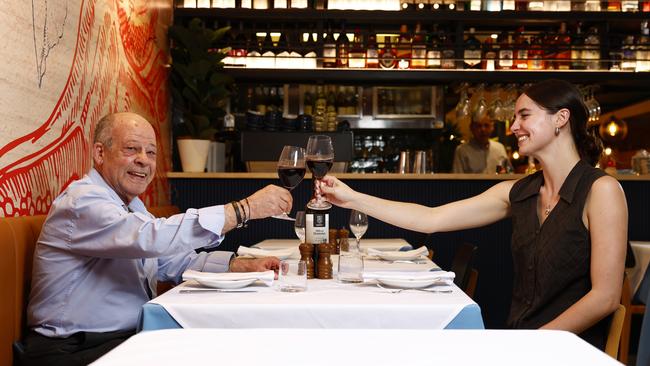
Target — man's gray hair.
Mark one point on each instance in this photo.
(104, 130)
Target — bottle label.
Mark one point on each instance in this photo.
(472, 57)
(505, 58)
(329, 52)
(317, 228)
(433, 59)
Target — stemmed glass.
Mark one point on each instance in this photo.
(291, 170)
(358, 225)
(299, 226)
(320, 157)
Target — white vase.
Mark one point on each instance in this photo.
(194, 154)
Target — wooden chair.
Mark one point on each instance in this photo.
(462, 265)
(614, 334)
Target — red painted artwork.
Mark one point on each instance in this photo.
(118, 65)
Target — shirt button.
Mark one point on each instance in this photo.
(530, 267)
(537, 232)
(528, 302)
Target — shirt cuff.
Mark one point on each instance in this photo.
(212, 219)
(217, 262)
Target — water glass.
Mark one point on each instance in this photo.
(350, 267)
(292, 276)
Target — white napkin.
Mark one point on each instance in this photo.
(409, 254)
(262, 253)
(442, 276)
(266, 276)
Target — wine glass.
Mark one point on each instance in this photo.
(358, 225)
(291, 166)
(291, 170)
(320, 157)
(299, 226)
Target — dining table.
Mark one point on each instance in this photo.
(325, 304)
(377, 347)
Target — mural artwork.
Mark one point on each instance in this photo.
(66, 63)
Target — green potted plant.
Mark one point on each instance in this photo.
(200, 88)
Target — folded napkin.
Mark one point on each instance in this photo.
(262, 253)
(266, 276)
(405, 255)
(442, 276)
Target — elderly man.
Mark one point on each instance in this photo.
(100, 252)
(480, 154)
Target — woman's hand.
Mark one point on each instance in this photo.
(336, 192)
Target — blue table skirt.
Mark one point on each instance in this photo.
(154, 317)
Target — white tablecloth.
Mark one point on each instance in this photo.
(380, 244)
(325, 304)
(641, 251)
(328, 347)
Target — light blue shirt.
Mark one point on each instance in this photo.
(94, 257)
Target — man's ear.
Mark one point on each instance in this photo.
(98, 153)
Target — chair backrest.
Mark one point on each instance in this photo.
(614, 334)
(18, 240)
(462, 264)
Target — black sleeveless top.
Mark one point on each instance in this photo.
(552, 262)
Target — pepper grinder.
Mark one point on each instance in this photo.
(324, 262)
(306, 254)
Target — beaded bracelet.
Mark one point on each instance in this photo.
(237, 214)
(245, 216)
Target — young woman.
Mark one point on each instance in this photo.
(569, 219)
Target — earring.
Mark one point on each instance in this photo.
(557, 131)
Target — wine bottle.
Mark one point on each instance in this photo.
(342, 49)
(317, 228)
(329, 50)
(472, 53)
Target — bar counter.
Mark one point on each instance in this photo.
(494, 257)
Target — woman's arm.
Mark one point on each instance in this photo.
(485, 208)
(606, 218)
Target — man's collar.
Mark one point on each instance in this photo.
(135, 205)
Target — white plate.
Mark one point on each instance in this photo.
(227, 284)
(403, 283)
(399, 256)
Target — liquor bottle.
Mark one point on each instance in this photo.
(578, 5)
(536, 54)
(521, 50)
(342, 49)
(317, 229)
(357, 54)
(280, 4)
(294, 44)
(578, 61)
(320, 107)
(448, 60)
(418, 49)
(508, 5)
(475, 5)
(645, 6)
(329, 50)
(549, 47)
(260, 4)
(372, 52)
(404, 48)
(254, 53)
(433, 50)
(309, 55)
(628, 62)
(615, 53)
(505, 60)
(592, 5)
(387, 55)
(282, 52)
(268, 52)
(299, 4)
(643, 48)
(489, 55)
(240, 47)
(563, 43)
(308, 101)
(472, 52)
(492, 5)
(535, 5)
(591, 51)
(613, 6)
(630, 5)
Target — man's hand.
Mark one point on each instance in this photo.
(268, 201)
(255, 265)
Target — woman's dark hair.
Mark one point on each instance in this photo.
(553, 95)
